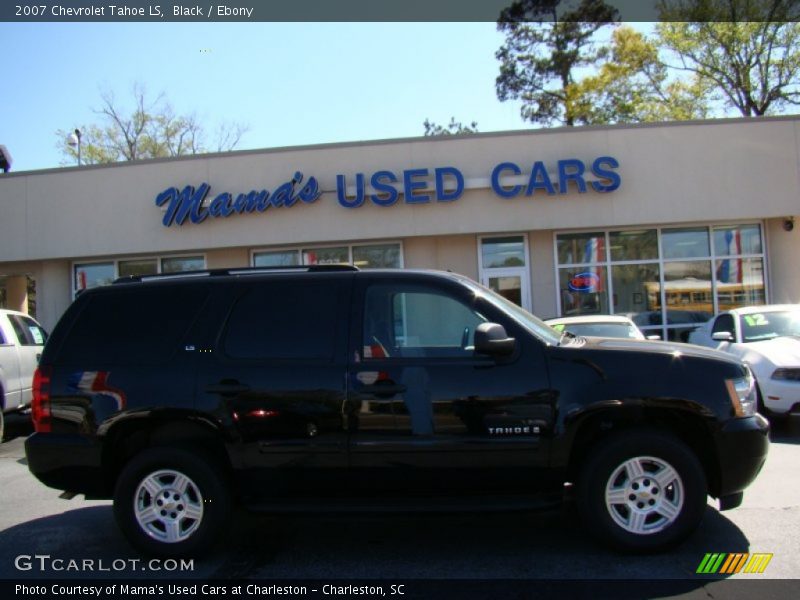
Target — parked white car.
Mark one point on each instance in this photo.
(21, 342)
(768, 339)
(614, 326)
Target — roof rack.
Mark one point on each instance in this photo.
(237, 271)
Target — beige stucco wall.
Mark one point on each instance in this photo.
(701, 172)
(457, 253)
(685, 172)
(784, 261)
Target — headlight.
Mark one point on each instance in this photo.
(742, 392)
(787, 374)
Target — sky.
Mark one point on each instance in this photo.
(291, 83)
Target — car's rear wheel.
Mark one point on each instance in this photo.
(171, 501)
(642, 491)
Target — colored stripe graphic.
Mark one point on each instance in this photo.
(758, 563)
(730, 564)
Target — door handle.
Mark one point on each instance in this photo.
(227, 388)
(383, 391)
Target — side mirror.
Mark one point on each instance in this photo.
(722, 336)
(492, 339)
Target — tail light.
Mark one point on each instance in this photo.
(40, 407)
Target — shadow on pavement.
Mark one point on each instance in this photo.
(785, 431)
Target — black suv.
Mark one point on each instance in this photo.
(329, 388)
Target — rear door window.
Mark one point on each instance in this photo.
(285, 320)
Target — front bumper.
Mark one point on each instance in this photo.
(68, 462)
(742, 445)
(781, 397)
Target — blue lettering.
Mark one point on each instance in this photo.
(612, 179)
(310, 191)
(540, 180)
(282, 194)
(188, 203)
(183, 205)
(441, 194)
(380, 182)
(575, 173)
(500, 190)
(341, 191)
(221, 206)
(410, 185)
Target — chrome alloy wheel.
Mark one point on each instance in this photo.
(644, 495)
(168, 506)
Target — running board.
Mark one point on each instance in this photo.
(379, 505)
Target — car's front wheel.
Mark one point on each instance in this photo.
(171, 502)
(642, 491)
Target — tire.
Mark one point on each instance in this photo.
(641, 491)
(172, 502)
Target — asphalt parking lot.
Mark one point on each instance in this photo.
(528, 546)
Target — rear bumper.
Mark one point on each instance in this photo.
(72, 463)
(743, 445)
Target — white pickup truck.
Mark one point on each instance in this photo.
(21, 342)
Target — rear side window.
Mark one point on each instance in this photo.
(288, 319)
(134, 326)
(29, 332)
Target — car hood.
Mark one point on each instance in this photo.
(673, 348)
(780, 351)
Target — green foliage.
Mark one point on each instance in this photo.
(539, 59)
(452, 128)
(754, 67)
(633, 86)
(150, 130)
(740, 54)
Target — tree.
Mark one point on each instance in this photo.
(452, 128)
(633, 85)
(747, 50)
(539, 59)
(151, 130)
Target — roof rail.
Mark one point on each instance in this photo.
(236, 271)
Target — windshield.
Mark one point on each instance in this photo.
(612, 330)
(757, 327)
(519, 314)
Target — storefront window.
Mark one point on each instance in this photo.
(502, 252)
(737, 239)
(575, 248)
(182, 263)
(634, 245)
(281, 258)
(689, 296)
(326, 256)
(685, 243)
(739, 282)
(91, 275)
(637, 293)
(381, 256)
(132, 268)
(584, 291)
(669, 293)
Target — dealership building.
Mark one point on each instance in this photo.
(669, 223)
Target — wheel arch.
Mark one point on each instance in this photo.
(128, 437)
(688, 427)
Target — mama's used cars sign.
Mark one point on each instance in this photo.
(384, 188)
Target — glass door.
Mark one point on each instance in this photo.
(504, 267)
